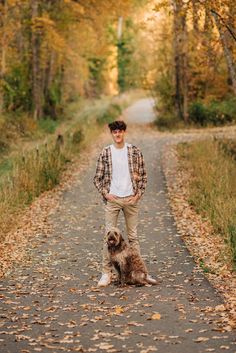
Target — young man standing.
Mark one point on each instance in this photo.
(121, 179)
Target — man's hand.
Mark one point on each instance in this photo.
(133, 199)
(110, 197)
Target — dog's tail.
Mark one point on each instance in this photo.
(151, 280)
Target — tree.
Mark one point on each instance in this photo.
(228, 54)
(180, 58)
(46, 51)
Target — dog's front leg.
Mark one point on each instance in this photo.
(118, 270)
(122, 279)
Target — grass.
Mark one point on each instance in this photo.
(212, 186)
(48, 125)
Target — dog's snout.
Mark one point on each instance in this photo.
(111, 239)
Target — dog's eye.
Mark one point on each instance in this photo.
(116, 234)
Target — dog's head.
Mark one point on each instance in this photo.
(114, 238)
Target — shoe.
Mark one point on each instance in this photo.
(105, 280)
(151, 280)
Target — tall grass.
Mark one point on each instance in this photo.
(32, 174)
(213, 186)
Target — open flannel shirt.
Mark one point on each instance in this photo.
(103, 175)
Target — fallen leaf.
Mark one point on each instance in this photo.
(201, 339)
(119, 310)
(156, 316)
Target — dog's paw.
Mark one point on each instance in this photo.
(151, 280)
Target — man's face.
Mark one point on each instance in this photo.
(118, 136)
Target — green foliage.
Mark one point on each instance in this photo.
(53, 107)
(17, 89)
(222, 112)
(215, 113)
(126, 62)
(97, 79)
(166, 116)
(165, 101)
(48, 125)
(198, 113)
(111, 114)
(78, 136)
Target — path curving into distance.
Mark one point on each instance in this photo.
(141, 112)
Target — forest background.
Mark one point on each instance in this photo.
(69, 64)
(55, 52)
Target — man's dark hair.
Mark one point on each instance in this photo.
(117, 125)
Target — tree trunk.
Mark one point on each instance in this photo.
(36, 72)
(185, 69)
(227, 52)
(195, 16)
(3, 4)
(180, 59)
(177, 56)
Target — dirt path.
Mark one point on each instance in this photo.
(51, 303)
(141, 112)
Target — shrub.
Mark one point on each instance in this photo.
(215, 113)
(77, 137)
(48, 125)
(17, 88)
(198, 113)
(167, 121)
(111, 114)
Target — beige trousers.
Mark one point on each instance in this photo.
(112, 210)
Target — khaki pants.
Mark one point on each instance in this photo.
(112, 210)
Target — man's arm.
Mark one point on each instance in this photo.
(142, 182)
(141, 178)
(99, 175)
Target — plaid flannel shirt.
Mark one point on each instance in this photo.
(103, 175)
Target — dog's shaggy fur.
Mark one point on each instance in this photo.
(126, 260)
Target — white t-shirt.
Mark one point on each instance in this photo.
(121, 184)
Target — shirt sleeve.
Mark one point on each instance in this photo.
(142, 183)
(98, 179)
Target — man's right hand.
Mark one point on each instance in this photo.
(110, 197)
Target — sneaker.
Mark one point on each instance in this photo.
(151, 280)
(105, 280)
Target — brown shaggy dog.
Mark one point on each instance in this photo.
(126, 260)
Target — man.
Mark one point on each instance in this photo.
(121, 179)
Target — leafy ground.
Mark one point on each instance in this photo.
(50, 302)
(209, 249)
